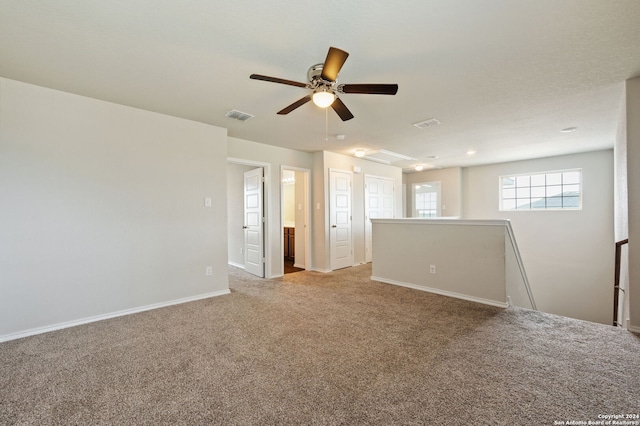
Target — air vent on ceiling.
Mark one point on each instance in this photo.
(239, 115)
(427, 123)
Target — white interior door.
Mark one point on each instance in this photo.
(340, 241)
(254, 222)
(379, 204)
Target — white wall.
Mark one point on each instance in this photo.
(289, 205)
(633, 185)
(329, 160)
(102, 209)
(235, 212)
(621, 221)
(275, 157)
(450, 193)
(568, 255)
(320, 259)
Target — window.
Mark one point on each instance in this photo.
(542, 191)
(426, 199)
(427, 204)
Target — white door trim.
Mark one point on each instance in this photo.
(307, 218)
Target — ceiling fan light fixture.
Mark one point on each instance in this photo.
(322, 81)
(323, 98)
(360, 153)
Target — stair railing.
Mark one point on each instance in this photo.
(616, 280)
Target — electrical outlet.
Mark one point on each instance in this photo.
(207, 202)
(432, 269)
(209, 271)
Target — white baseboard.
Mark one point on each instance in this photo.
(443, 292)
(634, 329)
(237, 265)
(298, 265)
(324, 271)
(59, 326)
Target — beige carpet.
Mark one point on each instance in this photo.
(315, 348)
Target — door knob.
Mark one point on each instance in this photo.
(333, 226)
(245, 227)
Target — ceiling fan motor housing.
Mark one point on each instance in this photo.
(314, 77)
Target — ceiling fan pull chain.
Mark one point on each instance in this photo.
(326, 124)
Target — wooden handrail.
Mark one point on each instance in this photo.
(616, 279)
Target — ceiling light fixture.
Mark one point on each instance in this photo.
(569, 129)
(471, 152)
(360, 153)
(323, 98)
(419, 168)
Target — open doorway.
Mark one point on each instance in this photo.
(295, 219)
(248, 217)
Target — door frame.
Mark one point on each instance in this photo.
(307, 216)
(268, 255)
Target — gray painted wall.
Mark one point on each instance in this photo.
(633, 186)
(621, 222)
(468, 256)
(568, 255)
(103, 208)
(449, 189)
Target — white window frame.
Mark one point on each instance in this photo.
(435, 184)
(546, 185)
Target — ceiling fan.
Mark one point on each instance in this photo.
(322, 81)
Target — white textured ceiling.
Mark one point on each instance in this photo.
(503, 76)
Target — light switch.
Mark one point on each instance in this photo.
(207, 202)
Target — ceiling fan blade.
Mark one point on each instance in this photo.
(333, 64)
(370, 89)
(276, 80)
(295, 105)
(341, 109)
